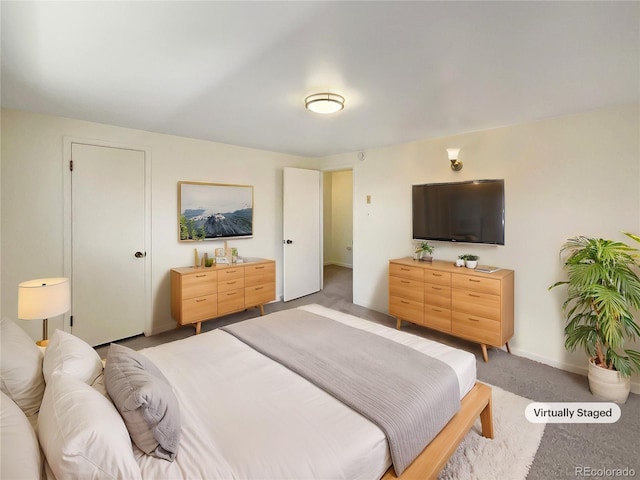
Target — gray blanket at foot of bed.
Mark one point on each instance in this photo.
(409, 395)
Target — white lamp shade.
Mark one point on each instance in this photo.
(43, 298)
(453, 153)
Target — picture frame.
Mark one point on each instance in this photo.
(214, 211)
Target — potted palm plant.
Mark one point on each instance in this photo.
(603, 292)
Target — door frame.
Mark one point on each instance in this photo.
(68, 141)
(340, 168)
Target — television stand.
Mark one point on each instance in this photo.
(459, 301)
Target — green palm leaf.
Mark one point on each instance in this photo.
(603, 294)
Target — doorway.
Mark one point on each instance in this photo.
(338, 230)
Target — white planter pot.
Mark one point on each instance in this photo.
(459, 262)
(426, 257)
(608, 384)
(471, 263)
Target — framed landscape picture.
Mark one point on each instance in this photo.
(212, 211)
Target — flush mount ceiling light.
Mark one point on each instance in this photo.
(324, 103)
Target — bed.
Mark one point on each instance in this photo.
(242, 414)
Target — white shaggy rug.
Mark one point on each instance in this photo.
(508, 455)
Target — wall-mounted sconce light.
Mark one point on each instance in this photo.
(453, 157)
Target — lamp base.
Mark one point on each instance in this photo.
(42, 343)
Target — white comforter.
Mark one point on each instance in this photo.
(245, 416)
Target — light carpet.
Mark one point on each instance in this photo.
(512, 450)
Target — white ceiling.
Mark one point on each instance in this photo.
(237, 72)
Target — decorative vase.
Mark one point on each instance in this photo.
(471, 263)
(425, 257)
(460, 262)
(608, 384)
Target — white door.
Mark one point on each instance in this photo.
(108, 243)
(302, 259)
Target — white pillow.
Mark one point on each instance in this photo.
(73, 356)
(20, 450)
(20, 367)
(82, 434)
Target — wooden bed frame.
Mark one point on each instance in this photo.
(434, 457)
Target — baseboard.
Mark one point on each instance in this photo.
(339, 264)
(567, 367)
(165, 327)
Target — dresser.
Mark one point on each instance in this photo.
(458, 301)
(204, 293)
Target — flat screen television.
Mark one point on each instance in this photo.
(469, 212)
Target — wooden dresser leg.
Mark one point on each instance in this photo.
(508, 349)
(484, 353)
(398, 323)
(198, 325)
(261, 307)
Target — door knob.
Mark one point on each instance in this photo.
(140, 254)
(288, 242)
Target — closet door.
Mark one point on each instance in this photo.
(108, 255)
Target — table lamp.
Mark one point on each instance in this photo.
(41, 299)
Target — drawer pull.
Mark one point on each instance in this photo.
(474, 319)
(201, 275)
(436, 274)
(474, 295)
(474, 280)
(201, 300)
(405, 302)
(259, 288)
(231, 283)
(405, 281)
(259, 268)
(231, 293)
(229, 272)
(437, 310)
(404, 269)
(436, 288)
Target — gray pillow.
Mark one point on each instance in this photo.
(145, 400)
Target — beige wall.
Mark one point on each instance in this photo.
(33, 198)
(338, 218)
(566, 176)
(573, 175)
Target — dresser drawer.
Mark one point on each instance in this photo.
(259, 294)
(477, 284)
(437, 295)
(199, 308)
(437, 317)
(199, 284)
(230, 284)
(437, 278)
(406, 309)
(229, 273)
(259, 274)
(481, 304)
(405, 271)
(406, 288)
(230, 301)
(476, 328)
